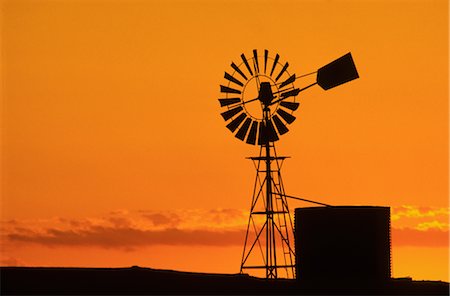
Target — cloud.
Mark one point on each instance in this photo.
(418, 238)
(408, 211)
(197, 218)
(128, 230)
(432, 225)
(420, 218)
(163, 219)
(130, 238)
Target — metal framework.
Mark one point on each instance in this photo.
(269, 225)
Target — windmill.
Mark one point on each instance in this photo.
(260, 98)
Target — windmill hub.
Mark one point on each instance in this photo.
(251, 96)
(265, 94)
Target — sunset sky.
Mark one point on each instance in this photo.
(114, 152)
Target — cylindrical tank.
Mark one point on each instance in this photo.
(343, 243)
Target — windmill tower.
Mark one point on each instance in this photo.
(260, 99)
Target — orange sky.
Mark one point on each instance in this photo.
(110, 111)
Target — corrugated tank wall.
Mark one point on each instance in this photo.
(343, 243)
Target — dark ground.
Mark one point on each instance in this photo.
(146, 281)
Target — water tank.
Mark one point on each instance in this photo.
(343, 243)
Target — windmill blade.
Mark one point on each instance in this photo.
(262, 137)
(229, 101)
(282, 71)
(290, 93)
(275, 62)
(230, 113)
(255, 57)
(286, 116)
(251, 139)
(287, 81)
(281, 127)
(290, 105)
(233, 125)
(337, 72)
(244, 59)
(271, 132)
(236, 68)
(266, 55)
(242, 132)
(226, 89)
(232, 79)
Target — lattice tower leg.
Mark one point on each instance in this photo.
(267, 243)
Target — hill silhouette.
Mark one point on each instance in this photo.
(140, 281)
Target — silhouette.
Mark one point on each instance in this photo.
(337, 72)
(260, 104)
(146, 281)
(343, 244)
